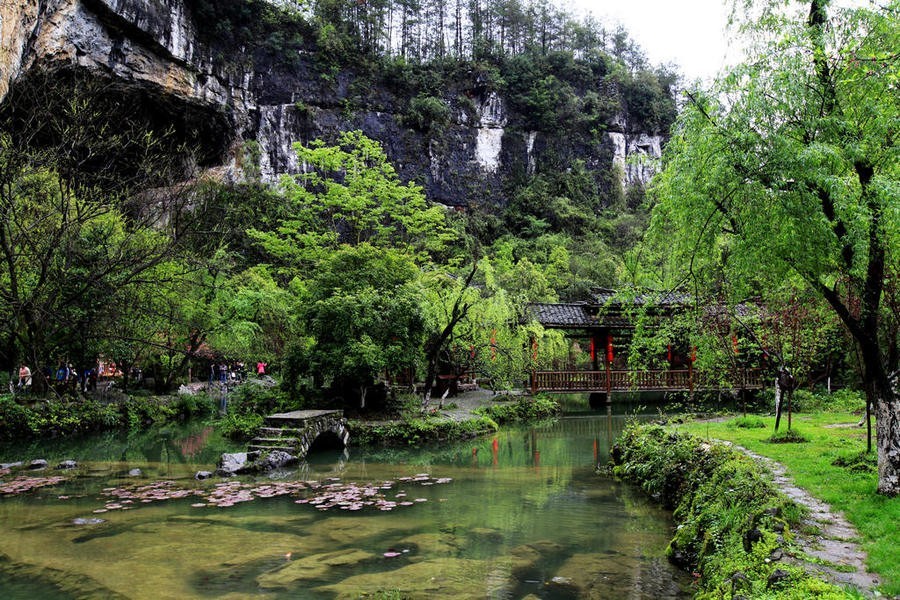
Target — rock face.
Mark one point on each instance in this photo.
(151, 49)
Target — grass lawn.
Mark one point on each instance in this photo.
(830, 436)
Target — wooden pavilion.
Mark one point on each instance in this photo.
(606, 323)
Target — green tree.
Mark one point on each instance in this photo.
(64, 260)
(352, 195)
(790, 169)
(365, 316)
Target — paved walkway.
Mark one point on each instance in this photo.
(466, 403)
(835, 544)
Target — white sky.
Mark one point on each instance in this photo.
(688, 33)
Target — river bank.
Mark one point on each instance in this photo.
(831, 464)
(746, 528)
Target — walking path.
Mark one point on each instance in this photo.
(466, 403)
(825, 535)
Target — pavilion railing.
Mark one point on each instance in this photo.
(645, 380)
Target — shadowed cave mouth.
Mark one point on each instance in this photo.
(327, 441)
(96, 129)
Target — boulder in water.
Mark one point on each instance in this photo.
(276, 459)
(232, 464)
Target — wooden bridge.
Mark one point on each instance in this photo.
(609, 381)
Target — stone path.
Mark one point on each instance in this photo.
(836, 541)
(467, 402)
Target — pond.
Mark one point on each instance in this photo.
(515, 515)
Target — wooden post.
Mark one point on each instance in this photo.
(608, 380)
(691, 376)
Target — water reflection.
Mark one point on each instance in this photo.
(525, 513)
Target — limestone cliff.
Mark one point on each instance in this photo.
(151, 50)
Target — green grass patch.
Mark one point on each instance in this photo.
(824, 466)
(747, 422)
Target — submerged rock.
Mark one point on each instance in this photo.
(439, 578)
(316, 566)
(38, 464)
(605, 575)
(88, 521)
(203, 474)
(135, 473)
(432, 544)
(67, 464)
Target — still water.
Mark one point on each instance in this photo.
(521, 514)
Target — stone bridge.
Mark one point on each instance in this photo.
(300, 431)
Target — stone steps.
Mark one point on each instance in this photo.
(268, 444)
(266, 449)
(278, 432)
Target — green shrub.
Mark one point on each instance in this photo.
(525, 408)
(419, 430)
(139, 410)
(254, 399)
(787, 436)
(844, 400)
(13, 416)
(63, 417)
(861, 462)
(747, 422)
(427, 113)
(193, 405)
(240, 427)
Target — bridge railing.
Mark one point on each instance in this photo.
(643, 380)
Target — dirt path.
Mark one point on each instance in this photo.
(834, 544)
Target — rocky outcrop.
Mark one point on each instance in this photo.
(151, 52)
(146, 43)
(635, 156)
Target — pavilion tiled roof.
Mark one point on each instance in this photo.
(562, 315)
(576, 316)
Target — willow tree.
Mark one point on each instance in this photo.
(787, 173)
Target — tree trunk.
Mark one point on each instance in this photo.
(778, 394)
(886, 404)
(887, 426)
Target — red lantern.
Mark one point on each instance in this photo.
(669, 352)
(593, 350)
(609, 349)
(534, 349)
(734, 343)
(693, 353)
